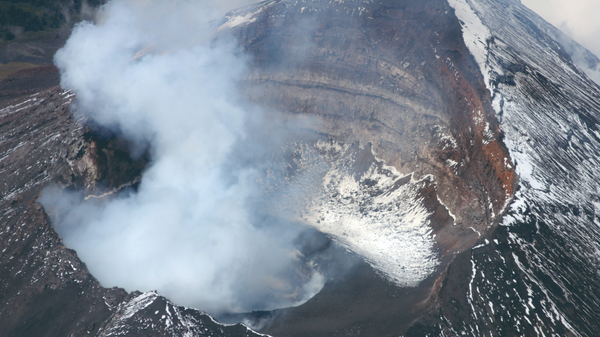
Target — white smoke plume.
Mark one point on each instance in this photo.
(576, 18)
(155, 72)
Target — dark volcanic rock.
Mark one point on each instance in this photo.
(29, 81)
(149, 314)
(42, 282)
(395, 74)
(398, 74)
(537, 274)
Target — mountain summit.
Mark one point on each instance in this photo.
(449, 179)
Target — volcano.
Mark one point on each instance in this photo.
(450, 180)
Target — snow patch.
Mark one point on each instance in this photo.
(372, 210)
(475, 34)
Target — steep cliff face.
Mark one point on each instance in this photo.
(396, 74)
(42, 281)
(537, 275)
(431, 85)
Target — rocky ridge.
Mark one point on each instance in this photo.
(536, 274)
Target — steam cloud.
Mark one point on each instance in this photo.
(155, 73)
(576, 18)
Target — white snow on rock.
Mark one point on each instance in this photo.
(134, 317)
(367, 207)
(245, 15)
(540, 131)
(235, 21)
(32, 101)
(475, 34)
(548, 113)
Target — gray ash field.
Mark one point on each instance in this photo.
(447, 180)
